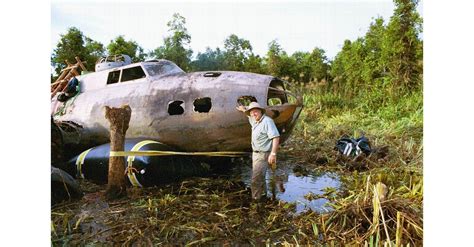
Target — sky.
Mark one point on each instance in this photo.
(297, 26)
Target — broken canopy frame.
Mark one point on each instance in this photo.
(284, 114)
(286, 92)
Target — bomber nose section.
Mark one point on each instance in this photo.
(284, 113)
(285, 117)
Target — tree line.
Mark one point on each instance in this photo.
(387, 59)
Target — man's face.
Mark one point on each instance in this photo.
(256, 114)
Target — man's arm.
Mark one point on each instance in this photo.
(242, 108)
(273, 154)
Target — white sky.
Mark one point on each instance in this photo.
(298, 26)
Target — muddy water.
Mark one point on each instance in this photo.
(296, 185)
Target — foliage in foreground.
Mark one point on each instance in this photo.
(381, 201)
(211, 211)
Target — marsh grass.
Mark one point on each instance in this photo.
(394, 126)
(194, 212)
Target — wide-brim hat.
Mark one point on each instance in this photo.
(254, 105)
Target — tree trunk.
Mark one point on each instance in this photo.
(119, 119)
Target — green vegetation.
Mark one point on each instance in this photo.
(175, 46)
(72, 44)
(395, 131)
(120, 46)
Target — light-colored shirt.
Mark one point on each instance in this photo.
(262, 133)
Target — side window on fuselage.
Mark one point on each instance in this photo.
(202, 104)
(245, 100)
(113, 77)
(176, 107)
(132, 74)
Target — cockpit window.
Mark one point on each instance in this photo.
(133, 73)
(162, 68)
(113, 77)
(276, 93)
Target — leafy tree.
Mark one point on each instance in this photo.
(279, 63)
(73, 44)
(307, 67)
(318, 64)
(216, 60)
(386, 62)
(402, 46)
(94, 49)
(209, 60)
(255, 64)
(176, 45)
(302, 70)
(237, 52)
(274, 60)
(120, 46)
(374, 67)
(347, 67)
(288, 71)
(338, 66)
(299, 67)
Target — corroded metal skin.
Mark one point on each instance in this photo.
(222, 128)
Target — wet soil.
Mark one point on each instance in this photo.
(217, 209)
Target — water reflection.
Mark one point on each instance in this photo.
(295, 187)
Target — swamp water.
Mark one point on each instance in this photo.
(296, 185)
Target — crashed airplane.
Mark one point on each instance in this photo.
(191, 112)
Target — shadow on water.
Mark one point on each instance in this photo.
(306, 190)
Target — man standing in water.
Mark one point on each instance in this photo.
(265, 141)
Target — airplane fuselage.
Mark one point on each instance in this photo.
(189, 111)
